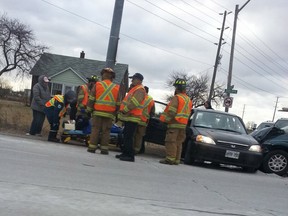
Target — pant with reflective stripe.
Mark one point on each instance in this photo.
(103, 125)
(173, 143)
(140, 132)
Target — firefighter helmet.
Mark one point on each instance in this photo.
(108, 70)
(180, 84)
(93, 78)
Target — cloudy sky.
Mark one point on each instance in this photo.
(159, 37)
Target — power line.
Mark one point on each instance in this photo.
(179, 8)
(247, 85)
(180, 18)
(143, 42)
(263, 53)
(173, 22)
(253, 56)
(190, 5)
(277, 84)
(219, 5)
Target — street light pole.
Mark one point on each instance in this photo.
(232, 49)
(217, 58)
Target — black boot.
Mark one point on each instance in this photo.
(52, 137)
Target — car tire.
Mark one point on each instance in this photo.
(276, 162)
(188, 159)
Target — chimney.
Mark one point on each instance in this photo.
(82, 54)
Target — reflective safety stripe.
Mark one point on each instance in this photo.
(106, 96)
(182, 112)
(51, 102)
(184, 109)
(148, 104)
(172, 159)
(181, 126)
(104, 114)
(130, 98)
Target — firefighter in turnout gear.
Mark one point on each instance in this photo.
(176, 116)
(82, 116)
(55, 109)
(103, 104)
(83, 94)
(130, 114)
(148, 111)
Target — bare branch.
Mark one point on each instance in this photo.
(197, 88)
(18, 46)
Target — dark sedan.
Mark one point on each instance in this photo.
(274, 142)
(221, 138)
(214, 136)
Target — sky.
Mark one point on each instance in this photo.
(161, 37)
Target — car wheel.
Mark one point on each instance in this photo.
(276, 162)
(188, 159)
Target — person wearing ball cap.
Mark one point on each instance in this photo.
(130, 113)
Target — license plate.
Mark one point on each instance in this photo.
(232, 154)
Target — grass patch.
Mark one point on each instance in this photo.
(15, 117)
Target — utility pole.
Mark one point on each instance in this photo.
(232, 49)
(114, 34)
(275, 109)
(243, 111)
(217, 58)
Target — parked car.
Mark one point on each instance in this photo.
(281, 123)
(264, 125)
(214, 136)
(274, 142)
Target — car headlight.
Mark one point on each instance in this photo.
(205, 139)
(255, 148)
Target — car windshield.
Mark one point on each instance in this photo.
(264, 125)
(218, 121)
(280, 123)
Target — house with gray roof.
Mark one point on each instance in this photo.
(67, 73)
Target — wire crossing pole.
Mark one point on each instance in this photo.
(114, 34)
(217, 58)
(232, 49)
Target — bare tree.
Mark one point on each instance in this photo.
(197, 88)
(5, 88)
(18, 47)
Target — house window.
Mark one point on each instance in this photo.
(56, 88)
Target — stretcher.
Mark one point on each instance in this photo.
(71, 132)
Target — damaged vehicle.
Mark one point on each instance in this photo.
(274, 143)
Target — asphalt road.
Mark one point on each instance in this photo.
(42, 178)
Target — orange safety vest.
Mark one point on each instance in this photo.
(106, 96)
(148, 104)
(182, 113)
(137, 112)
(60, 99)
